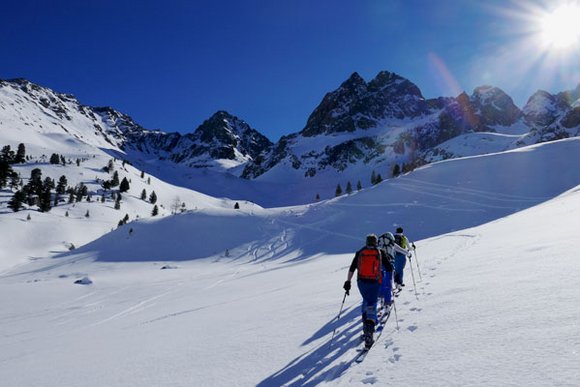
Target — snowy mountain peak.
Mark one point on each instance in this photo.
(221, 137)
(354, 82)
(360, 105)
(541, 109)
(495, 106)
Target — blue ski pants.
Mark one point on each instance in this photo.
(387, 287)
(400, 262)
(369, 291)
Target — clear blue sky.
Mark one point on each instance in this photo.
(171, 64)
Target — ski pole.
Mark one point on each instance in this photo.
(395, 309)
(413, 276)
(338, 318)
(417, 263)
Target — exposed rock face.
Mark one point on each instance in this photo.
(368, 124)
(357, 104)
(222, 136)
(494, 107)
(553, 117)
(387, 102)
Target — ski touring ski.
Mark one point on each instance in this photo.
(380, 327)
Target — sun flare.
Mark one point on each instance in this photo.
(561, 28)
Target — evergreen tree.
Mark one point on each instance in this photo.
(20, 154)
(45, 201)
(61, 186)
(237, 206)
(373, 178)
(153, 198)
(396, 170)
(115, 180)
(66, 214)
(102, 198)
(48, 183)
(317, 197)
(338, 191)
(348, 188)
(149, 180)
(379, 178)
(124, 187)
(358, 186)
(35, 182)
(142, 175)
(5, 172)
(155, 211)
(54, 159)
(87, 215)
(7, 154)
(28, 217)
(71, 196)
(15, 180)
(118, 203)
(15, 203)
(80, 191)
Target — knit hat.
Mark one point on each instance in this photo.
(399, 230)
(372, 240)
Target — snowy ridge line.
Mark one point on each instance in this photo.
(475, 192)
(414, 189)
(319, 230)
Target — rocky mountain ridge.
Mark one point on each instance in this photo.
(360, 125)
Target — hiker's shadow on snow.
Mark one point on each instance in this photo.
(320, 364)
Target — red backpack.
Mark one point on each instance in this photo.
(369, 264)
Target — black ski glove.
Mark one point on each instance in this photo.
(346, 287)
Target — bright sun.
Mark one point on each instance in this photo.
(561, 28)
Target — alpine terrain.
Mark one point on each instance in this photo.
(138, 257)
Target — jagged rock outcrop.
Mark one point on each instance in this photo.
(357, 104)
(370, 125)
(222, 136)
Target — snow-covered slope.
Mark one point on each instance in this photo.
(87, 140)
(360, 128)
(250, 297)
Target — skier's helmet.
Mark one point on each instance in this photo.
(399, 230)
(389, 236)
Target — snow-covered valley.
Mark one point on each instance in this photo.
(217, 296)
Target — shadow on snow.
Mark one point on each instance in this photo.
(325, 362)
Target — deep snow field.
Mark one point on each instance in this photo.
(218, 297)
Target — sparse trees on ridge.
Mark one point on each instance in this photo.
(153, 197)
(124, 186)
